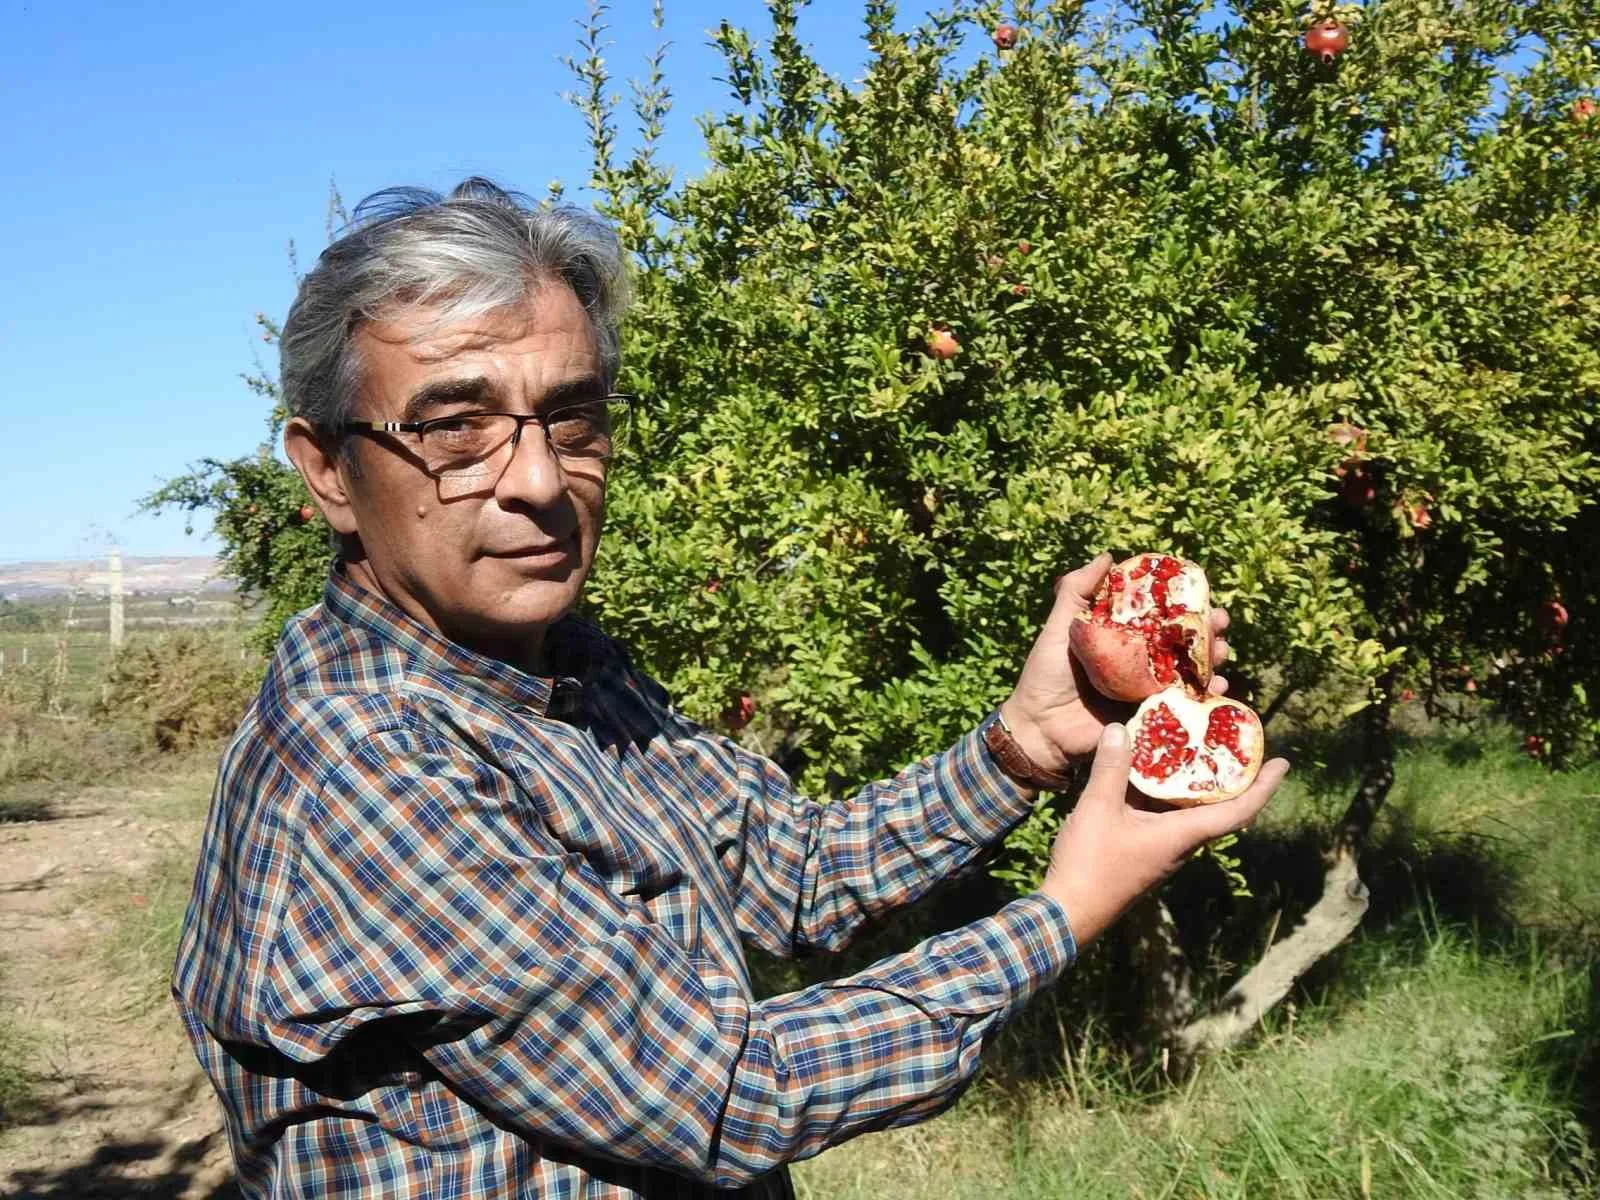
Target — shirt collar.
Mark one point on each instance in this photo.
(570, 645)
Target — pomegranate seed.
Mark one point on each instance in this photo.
(1161, 745)
(1223, 730)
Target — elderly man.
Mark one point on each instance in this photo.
(469, 914)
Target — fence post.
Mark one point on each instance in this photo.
(116, 600)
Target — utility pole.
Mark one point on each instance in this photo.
(116, 600)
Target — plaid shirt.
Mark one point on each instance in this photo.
(462, 931)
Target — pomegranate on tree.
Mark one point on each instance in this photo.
(1147, 637)
(1005, 37)
(739, 714)
(1552, 617)
(942, 344)
(1327, 40)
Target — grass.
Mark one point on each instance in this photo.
(1452, 1049)
(16, 1080)
(143, 942)
(1436, 1080)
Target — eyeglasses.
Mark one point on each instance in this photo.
(471, 444)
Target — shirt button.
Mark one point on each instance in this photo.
(566, 699)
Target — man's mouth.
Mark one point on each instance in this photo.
(536, 550)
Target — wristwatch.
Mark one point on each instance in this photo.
(1014, 761)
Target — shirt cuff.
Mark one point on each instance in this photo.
(992, 801)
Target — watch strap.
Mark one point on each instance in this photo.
(1012, 759)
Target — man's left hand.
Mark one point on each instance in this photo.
(1055, 714)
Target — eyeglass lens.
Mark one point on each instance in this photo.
(472, 443)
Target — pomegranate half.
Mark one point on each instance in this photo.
(1148, 628)
(1190, 750)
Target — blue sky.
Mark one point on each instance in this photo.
(159, 158)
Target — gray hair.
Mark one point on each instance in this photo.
(476, 250)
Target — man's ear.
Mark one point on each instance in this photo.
(321, 463)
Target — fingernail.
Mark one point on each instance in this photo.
(1114, 737)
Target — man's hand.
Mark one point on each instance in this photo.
(1111, 852)
(1054, 713)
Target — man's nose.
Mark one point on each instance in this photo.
(534, 476)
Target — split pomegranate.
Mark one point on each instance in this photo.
(1149, 627)
(1190, 750)
(1146, 636)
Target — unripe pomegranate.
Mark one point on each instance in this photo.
(1024, 247)
(1583, 108)
(306, 514)
(1421, 516)
(1407, 695)
(1327, 40)
(1005, 37)
(1019, 289)
(1471, 685)
(942, 344)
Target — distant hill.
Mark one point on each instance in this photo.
(181, 575)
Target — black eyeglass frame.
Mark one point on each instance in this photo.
(623, 400)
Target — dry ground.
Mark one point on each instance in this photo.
(119, 1107)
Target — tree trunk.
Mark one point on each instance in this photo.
(1332, 919)
(1166, 1000)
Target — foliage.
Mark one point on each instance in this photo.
(163, 693)
(182, 690)
(1175, 249)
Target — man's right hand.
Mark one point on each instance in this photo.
(1111, 852)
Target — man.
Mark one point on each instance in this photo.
(469, 913)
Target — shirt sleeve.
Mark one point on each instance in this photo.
(562, 1009)
(806, 874)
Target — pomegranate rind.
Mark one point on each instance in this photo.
(1118, 659)
(1212, 773)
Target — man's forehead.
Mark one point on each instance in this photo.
(429, 333)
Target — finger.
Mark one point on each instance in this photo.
(1218, 686)
(1076, 589)
(1219, 652)
(1108, 774)
(1219, 620)
(1085, 581)
(1211, 821)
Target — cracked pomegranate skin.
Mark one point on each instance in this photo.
(1146, 637)
(1147, 628)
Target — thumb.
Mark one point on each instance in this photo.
(1108, 775)
(1075, 590)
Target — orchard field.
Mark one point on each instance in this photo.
(1451, 1048)
(1045, 279)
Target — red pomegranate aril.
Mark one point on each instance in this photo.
(1222, 729)
(1162, 746)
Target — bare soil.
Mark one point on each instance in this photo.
(118, 1105)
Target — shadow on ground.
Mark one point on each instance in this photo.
(105, 1174)
(146, 1165)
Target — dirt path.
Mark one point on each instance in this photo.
(120, 1107)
